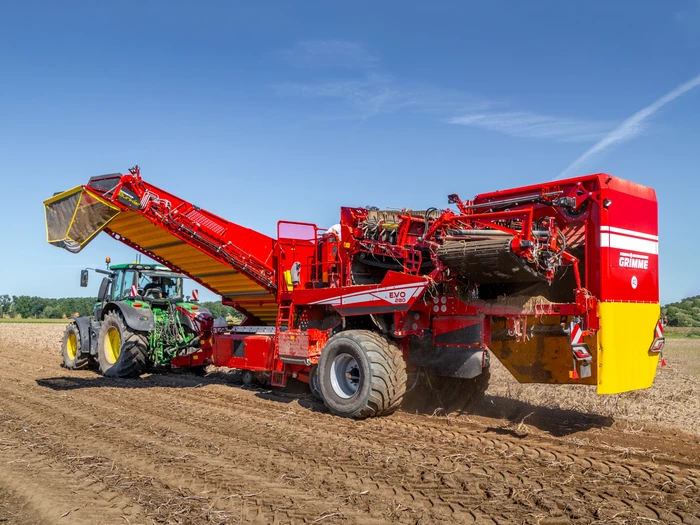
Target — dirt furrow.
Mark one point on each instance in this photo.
(181, 449)
(436, 486)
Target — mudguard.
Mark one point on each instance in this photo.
(83, 324)
(136, 319)
(447, 361)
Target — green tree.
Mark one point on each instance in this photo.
(5, 305)
(683, 313)
(51, 312)
(219, 310)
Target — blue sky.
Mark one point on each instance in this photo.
(290, 110)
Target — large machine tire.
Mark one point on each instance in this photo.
(455, 393)
(120, 351)
(361, 374)
(313, 383)
(70, 348)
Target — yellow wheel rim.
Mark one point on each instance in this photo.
(72, 346)
(112, 344)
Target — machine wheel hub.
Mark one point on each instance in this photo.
(345, 376)
(112, 345)
(72, 346)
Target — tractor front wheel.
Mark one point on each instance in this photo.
(121, 352)
(70, 348)
(361, 374)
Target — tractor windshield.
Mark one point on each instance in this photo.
(167, 284)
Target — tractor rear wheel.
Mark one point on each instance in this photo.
(121, 352)
(361, 374)
(70, 348)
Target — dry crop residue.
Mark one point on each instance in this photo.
(79, 448)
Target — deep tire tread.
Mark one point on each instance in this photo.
(81, 361)
(133, 355)
(387, 371)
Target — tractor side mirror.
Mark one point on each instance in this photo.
(84, 274)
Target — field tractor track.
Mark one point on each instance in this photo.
(183, 449)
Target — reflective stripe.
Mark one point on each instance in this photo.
(623, 242)
(576, 333)
(659, 329)
(613, 229)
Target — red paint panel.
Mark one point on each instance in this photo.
(629, 244)
(259, 352)
(252, 352)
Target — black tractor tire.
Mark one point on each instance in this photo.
(313, 383)
(70, 349)
(456, 393)
(121, 352)
(361, 374)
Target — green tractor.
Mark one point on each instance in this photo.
(141, 319)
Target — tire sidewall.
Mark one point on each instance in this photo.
(350, 407)
(314, 384)
(68, 362)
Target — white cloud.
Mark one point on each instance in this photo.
(330, 53)
(368, 91)
(376, 94)
(630, 127)
(533, 125)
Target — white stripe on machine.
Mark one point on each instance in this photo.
(392, 294)
(623, 242)
(633, 233)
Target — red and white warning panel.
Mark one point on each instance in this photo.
(629, 245)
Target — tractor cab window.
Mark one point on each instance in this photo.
(160, 286)
(121, 287)
(117, 286)
(169, 286)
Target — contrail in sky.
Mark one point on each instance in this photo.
(629, 127)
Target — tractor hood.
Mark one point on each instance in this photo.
(74, 217)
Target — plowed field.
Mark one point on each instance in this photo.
(79, 448)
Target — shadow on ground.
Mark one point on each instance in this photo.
(557, 422)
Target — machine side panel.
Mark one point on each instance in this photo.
(626, 333)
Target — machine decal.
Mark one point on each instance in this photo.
(400, 294)
(633, 260)
(611, 237)
(129, 198)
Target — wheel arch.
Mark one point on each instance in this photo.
(84, 325)
(135, 318)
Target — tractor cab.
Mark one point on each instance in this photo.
(141, 281)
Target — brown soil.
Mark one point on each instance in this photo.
(78, 448)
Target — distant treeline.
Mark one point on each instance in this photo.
(683, 313)
(28, 307)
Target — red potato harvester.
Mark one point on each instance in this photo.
(559, 281)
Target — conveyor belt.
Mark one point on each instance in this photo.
(488, 261)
